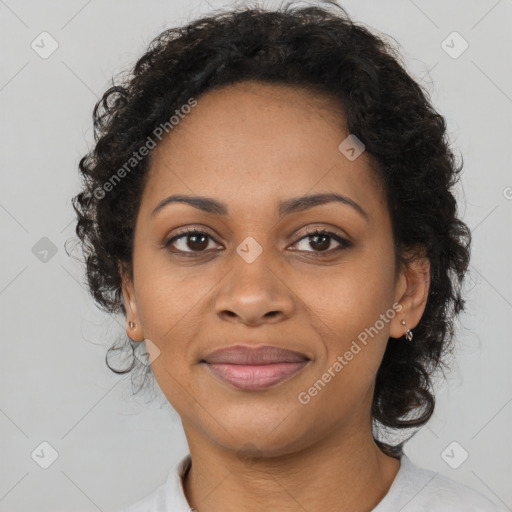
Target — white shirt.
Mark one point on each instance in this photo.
(414, 489)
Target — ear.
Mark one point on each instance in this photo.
(130, 304)
(412, 289)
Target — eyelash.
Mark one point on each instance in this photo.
(344, 244)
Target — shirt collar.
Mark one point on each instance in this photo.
(175, 499)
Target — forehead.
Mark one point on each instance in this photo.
(260, 141)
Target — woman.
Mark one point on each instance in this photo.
(269, 204)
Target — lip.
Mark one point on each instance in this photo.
(253, 369)
(245, 354)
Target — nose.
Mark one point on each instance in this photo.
(254, 293)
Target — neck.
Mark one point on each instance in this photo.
(344, 472)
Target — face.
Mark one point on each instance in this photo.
(254, 272)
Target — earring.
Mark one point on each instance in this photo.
(131, 325)
(408, 332)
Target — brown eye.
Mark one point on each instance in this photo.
(190, 241)
(320, 241)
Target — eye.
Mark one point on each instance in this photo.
(193, 239)
(320, 240)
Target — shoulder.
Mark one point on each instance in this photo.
(434, 492)
(168, 496)
(448, 495)
(154, 502)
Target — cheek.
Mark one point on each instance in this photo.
(174, 305)
(352, 311)
(166, 294)
(353, 296)
(371, 282)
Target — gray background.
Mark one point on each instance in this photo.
(112, 448)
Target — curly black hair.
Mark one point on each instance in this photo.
(321, 49)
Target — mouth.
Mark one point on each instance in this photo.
(255, 377)
(253, 369)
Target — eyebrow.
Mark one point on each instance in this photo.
(293, 205)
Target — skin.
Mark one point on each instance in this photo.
(250, 146)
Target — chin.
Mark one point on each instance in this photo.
(265, 432)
